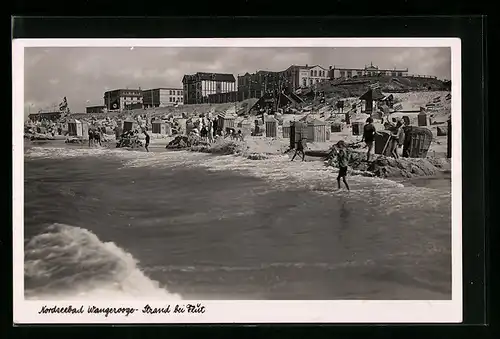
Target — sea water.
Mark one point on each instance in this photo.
(115, 224)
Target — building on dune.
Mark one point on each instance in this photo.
(221, 98)
(95, 109)
(257, 84)
(197, 87)
(162, 97)
(118, 99)
(371, 70)
(297, 76)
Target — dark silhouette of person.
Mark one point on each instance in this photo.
(301, 146)
(147, 141)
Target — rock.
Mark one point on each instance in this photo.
(257, 156)
(442, 131)
(387, 167)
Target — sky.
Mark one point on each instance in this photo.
(83, 74)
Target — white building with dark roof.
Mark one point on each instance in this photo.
(297, 76)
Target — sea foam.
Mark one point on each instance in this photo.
(68, 262)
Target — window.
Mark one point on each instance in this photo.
(312, 73)
(349, 74)
(170, 92)
(304, 82)
(169, 99)
(400, 74)
(310, 81)
(342, 74)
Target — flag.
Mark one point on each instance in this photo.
(398, 107)
(436, 99)
(448, 96)
(63, 105)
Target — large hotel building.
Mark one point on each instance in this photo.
(120, 99)
(162, 97)
(197, 87)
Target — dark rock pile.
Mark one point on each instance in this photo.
(182, 142)
(386, 167)
(129, 139)
(257, 156)
(38, 136)
(75, 140)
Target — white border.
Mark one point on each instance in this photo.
(306, 311)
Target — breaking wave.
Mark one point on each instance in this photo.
(277, 170)
(68, 262)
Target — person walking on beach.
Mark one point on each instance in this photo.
(397, 139)
(210, 131)
(369, 132)
(147, 141)
(301, 146)
(343, 160)
(91, 137)
(97, 136)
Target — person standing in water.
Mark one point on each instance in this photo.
(301, 146)
(343, 160)
(369, 132)
(91, 136)
(147, 140)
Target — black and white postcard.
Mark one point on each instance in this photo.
(308, 180)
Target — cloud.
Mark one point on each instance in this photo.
(85, 73)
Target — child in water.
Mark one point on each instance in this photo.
(147, 140)
(343, 160)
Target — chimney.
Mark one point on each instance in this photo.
(307, 65)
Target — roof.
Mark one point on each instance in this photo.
(270, 118)
(372, 94)
(268, 72)
(167, 88)
(316, 122)
(124, 89)
(226, 115)
(199, 76)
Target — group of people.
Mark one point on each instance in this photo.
(130, 138)
(340, 149)
(395, 141)
(95, 137)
